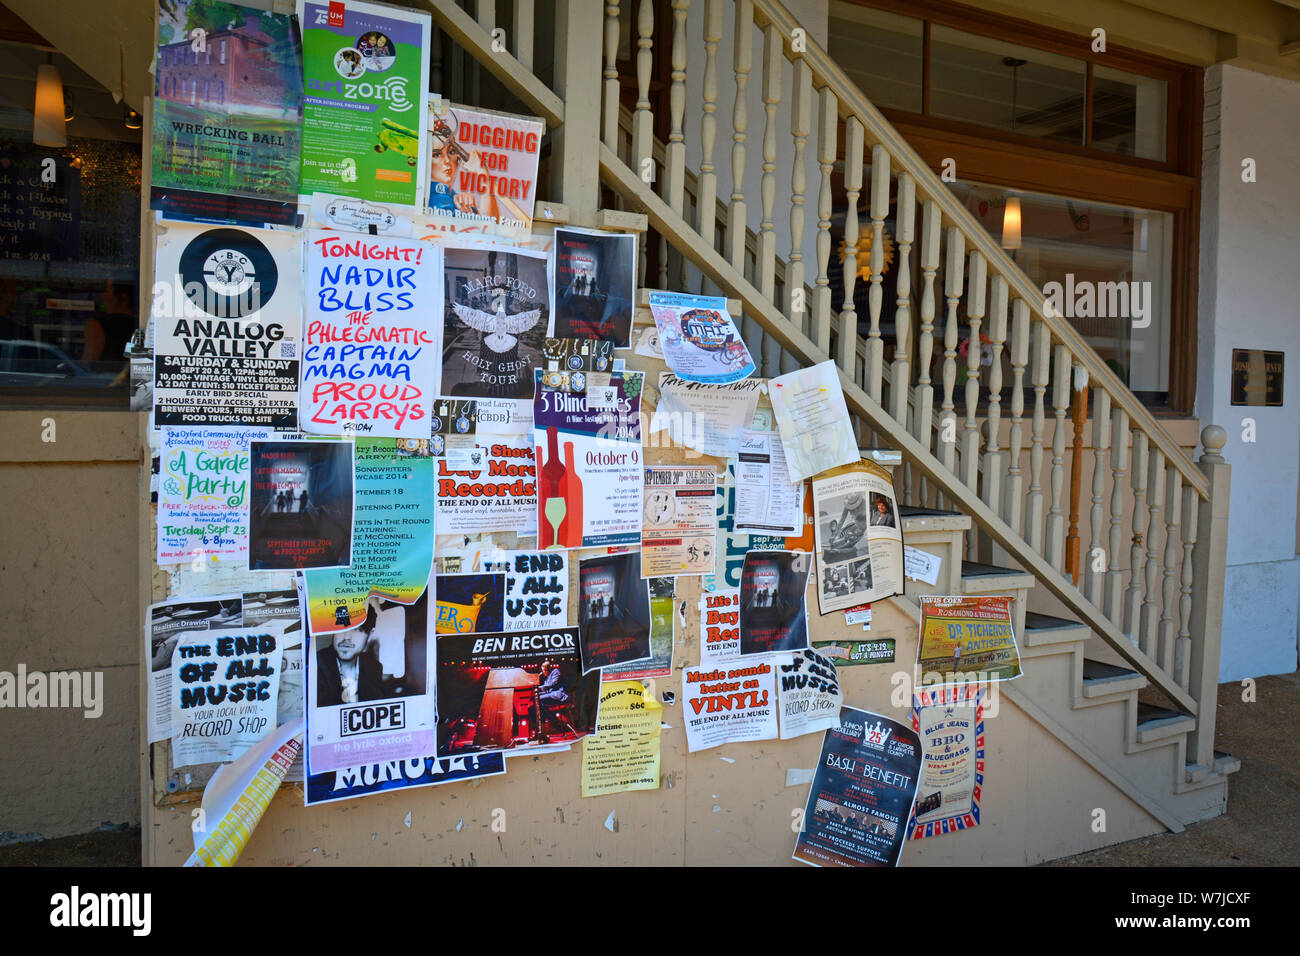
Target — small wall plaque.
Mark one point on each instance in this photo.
(1257, 377)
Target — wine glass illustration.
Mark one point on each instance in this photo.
(555, 510)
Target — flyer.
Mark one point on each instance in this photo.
(468, 603)
(813, 420)
(494, 490)
(366, 69)
(967, 639)
(601, 463)
(678, 520)
(772, 613)
(731, 545)
(950, 723)
(623, 754)
(351, 783)
(392, 537)
(203, 494)
(357, 215)
(483, 167)
(227, 113)
(729, 703)
(595, 285)
(517, 691)
(720, 625)
(844, 653)
(300, 507)
(497, 305)
(227, 322)
(169, 622)
(767, 501)
(283, 609)
(370, 693)
(663, 616)
(613, 610)
(537, 589)
(808, 691)
(698, 338)
(707, 418)
(862, 793)
(859, 541)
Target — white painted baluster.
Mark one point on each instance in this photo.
(931, 231)
(975, 302)
(1118, 466)
(905, 222)
(848, 340)
(523, 18)
(827, 131)
(1038, 376)
(879, 211)
(642, 117)
(1096, 580)
(772, 60)
(674, 186)
(1183, 650)
(800, 122)
(1137, 556)
(1061, 402)
(1012, 510)
(742, 60)
(1173, 567)
(954, 276)
(609, 118)
(993, 449)
(1155, 502)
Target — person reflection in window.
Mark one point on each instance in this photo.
(107, 334)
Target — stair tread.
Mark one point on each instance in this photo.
(1045, 622)
(973, 569)
(915, 511)
(1149, 713)
(1100, 671)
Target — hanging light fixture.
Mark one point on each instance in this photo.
(133, 119)
(49, 128)
(1011, 224)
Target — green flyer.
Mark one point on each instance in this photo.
(366, 79)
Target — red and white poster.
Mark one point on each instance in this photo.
(727, 703)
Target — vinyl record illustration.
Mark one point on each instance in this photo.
(228, 273)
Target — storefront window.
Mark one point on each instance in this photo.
(881, 52)
(1128, 113)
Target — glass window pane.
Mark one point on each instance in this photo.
(1128, 113)
(1001, 85)
(880, 52)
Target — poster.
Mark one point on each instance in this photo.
(719, 625)
(844, 653)
(169, 622)
(813, 420)
(357, 215)
(808, 691)
(366, 69)
(663, 617)
(517, 691)
(767, 501)
(468, 603)
(227, 113)
(483, 167)
(772, 613)
(300, 507)
(624, 752)
(595, 285)
(729, 703)
(227, 323)
(203, 494)
(370, 359)
(352, 783)
(966, 639)
(283, 610)
(370, 694)
(537, 589)
(859, 541)
(707, 418)
(698, 338)
(493, 489)
(497, 304)
(601, 464)
(950, 723)
(613, 610)
(862, 793)
(392, 536)
(731, 545)
(678, 520)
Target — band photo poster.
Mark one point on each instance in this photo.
(613, 610)
(595, 285)
(300, 505)
(772, 606)
(859, 541)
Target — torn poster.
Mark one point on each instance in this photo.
(517, 691)
(203, 494)
(921, 565)
(950, 722)
(859, 544)
(662, 634)
(169, 622)
(719, 625)
(468, 603)
(808, 692)
(678, 520)
(700, 342)
(707, 418)
(595, 285)
(813, 420)
(772, 611)
(728, 703)
(613, 610)
(352, 783)
(623, 754)
(861, 796)
(966, 639)
(301, 505)
(767, 501)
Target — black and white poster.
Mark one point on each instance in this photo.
(300, 506)
(772, 608)
(595, 285)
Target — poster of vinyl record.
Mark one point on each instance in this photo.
(228, 318)
(595, 285)
(300, 506)
(613, 610)
(773, 616)
(497, 309)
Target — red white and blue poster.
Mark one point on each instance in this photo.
(950, 722)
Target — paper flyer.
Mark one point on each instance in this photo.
(517, 691)
(808, 692)
(228, 319)
(729, 703)
(967, 638)
(468, 603)
(203, 482)
(284, 610)
(731, 545)
(357, 215)
(767, 501)
(239, 793)
(813, 420)
(392, 536)
(601, 463)
(678, 520)
(921, 565)
(859, 541)
(862, 793)
(719, 625)
(595, 285)
(623, 754)
(536, 588)
(482, 168)
(494, 490)
(698, 338)
(366, 69)
(846, 653)
(663, 618)
(772, 612)
(351, 783)
(613, 610)
(950, 723)
(169, 622)
(370, 694)
(301, 505)
(707, 418)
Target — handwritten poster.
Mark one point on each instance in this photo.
(370, 365)
(707, 418)
(595, 285)
(698, 338)
(203, 485)
(967, 639)
(728, 703)
(950, 723)
(772, 612)
(300, 505)
(623, 754)
(678, 520)
(613, 610)
(813, 420)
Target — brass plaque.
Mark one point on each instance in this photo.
(1257, 377)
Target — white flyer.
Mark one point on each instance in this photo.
(707, 418)
(719, 625)
(808, 689)
(921, 565)
(767, 501)
(813, 420)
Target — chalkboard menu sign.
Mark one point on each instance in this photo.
(1257, 377)
(40, 204)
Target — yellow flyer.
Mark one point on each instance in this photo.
(967, 639)
(624, 753)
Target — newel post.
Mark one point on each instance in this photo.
(575, 146)
(1209, 561)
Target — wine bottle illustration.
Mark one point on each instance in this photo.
(552, 506)
(572, 486)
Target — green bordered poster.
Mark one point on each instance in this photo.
(366, 78)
